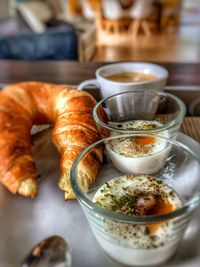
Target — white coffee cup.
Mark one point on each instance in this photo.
(108, 87)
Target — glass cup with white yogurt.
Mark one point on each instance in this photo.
(139, 219)
(140, 111)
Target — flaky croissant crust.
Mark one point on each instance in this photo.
(34, 103)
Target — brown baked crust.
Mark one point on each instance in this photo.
(70, 113)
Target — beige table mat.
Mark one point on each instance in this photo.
(191, 127)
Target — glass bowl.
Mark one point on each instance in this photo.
(151, 112)
(150, 234)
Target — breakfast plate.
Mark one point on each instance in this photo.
(24, 222)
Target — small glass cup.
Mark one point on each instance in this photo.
(164, 109)
(126, 238)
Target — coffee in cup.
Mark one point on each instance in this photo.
(121, 77)
(131, 76)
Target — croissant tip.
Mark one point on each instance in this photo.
(28, 188)
(69, 195)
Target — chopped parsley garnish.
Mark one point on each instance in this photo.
(125, 188)
(124, 204)
(107, 184)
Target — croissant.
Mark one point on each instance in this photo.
(69, 111)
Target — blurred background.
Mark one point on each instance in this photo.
(100, 30)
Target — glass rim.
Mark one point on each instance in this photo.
(127, 218)
(176, 121)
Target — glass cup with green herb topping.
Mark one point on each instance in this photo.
(139, 219)
(139, 111)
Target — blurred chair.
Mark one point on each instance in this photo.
(88, 12)
(171, 15)
(126, 4)
(112, 9)
(140, 12)
(112, 12)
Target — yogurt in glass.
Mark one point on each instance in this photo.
(143, 154)
(137, 195)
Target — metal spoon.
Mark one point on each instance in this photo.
(50, 252)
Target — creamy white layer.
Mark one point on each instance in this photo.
(144, 155)
(137, 244)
